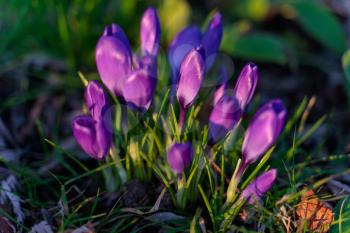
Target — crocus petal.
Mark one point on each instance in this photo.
(186, 40)
(263, 183)
(212, 39)
(221, 89)
(113, 60)
(192, 72)
(223, 118)
(246, 84)
(95, 99)
(138, 90)
(263, 130)
(150, 64)
(179, 156)
(150, 32)
(92, 136)
(116, 31)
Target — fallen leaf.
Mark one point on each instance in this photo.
(316, 214)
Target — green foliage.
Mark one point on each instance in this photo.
(256, 46)
(346, 68)
(342, 216)
(320, 24)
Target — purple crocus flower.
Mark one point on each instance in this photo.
(223, 118)
(212, 38)
(95, 99)
(114, 61)
(139, 80)
(92, 136)
(246, 84)
(150, 32)
(263, 131)
(190, 38)
(179, 156)
(182, 44)
(90, 130)
(256, 190)
(191, 75)
(192, 72)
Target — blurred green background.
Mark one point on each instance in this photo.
(276, 31)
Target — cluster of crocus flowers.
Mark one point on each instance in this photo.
(191, 38)
(262, 132)
(132, 79)
(122, 72)
(228, 107)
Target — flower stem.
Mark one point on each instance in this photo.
(181, 119)
(124, 120)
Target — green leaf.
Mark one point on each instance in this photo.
(256, 46)
(320, 24)
(252, 9)
(207, 204)
(346, 68)
(342, 217)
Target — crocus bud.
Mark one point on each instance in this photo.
(138, 90)
(246, 84)
(256, 190)
(92, 136)
(179, 156)
(113, 59)
(186, 40)
(150, 32)
(263, 130)
(192, 72)
(96, 100)
(212, 38)
(221, 88)
(117, 31)
(223, 118)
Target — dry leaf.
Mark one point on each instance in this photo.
(316, 214)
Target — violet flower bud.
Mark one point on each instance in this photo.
(212, 38)
(256, 190)
(186, 40)
(113, 59)
(96, 100)
(92, 136)
(246, 84)
(263, 131)
(223, 118)
(179, 156)
(192, 72)
(138, 90)
(150, 32)
(117, 31)
(222, 87)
